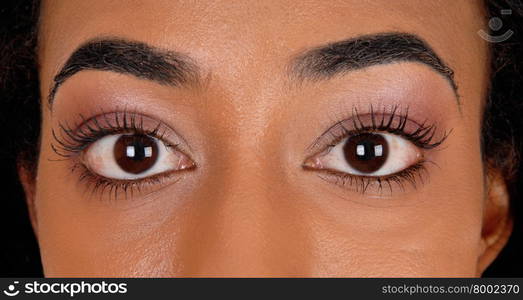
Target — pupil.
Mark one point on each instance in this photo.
(366, 152)
(135, 153)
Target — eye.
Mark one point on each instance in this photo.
(368, 154)
(133, 156)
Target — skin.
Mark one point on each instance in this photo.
(249, 208)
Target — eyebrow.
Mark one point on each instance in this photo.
(127, 57)
(368, 50)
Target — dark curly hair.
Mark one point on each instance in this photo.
(502, 127)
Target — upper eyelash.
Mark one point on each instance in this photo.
(392, 121)
(423, 136)
(73, 141)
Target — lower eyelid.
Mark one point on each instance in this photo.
(95, 158)
(111, 189)
(424, 136)
(332, 158)
(365, 185)
(410, 178)
(71, 143)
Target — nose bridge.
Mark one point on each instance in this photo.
(245, 223)
(237, 226)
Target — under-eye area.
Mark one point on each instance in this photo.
(376, 150)
(119, 153)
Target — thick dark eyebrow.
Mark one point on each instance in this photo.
(365, 51)
(127, 57)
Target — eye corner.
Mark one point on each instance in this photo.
(312, 163)
(185, 163)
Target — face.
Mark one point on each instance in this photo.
(270, 138)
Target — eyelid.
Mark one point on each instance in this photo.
(408, 156)
(172, 160)
(393, 120)
(424, 134)
(72, 140)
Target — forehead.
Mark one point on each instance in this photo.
(240, 37)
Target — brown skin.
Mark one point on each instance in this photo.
(249, 208)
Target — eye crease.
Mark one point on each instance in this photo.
(380, 148)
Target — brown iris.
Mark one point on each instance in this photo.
(135, 153)
(366, 152)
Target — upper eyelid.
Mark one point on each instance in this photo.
(374, 119)
(114, 122)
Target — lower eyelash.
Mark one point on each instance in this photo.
(412, 175)
(96, 184)
(390, 121)
(71, 142)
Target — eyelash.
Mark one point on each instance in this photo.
(70, 143)
(393, 121)
(361, 183)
